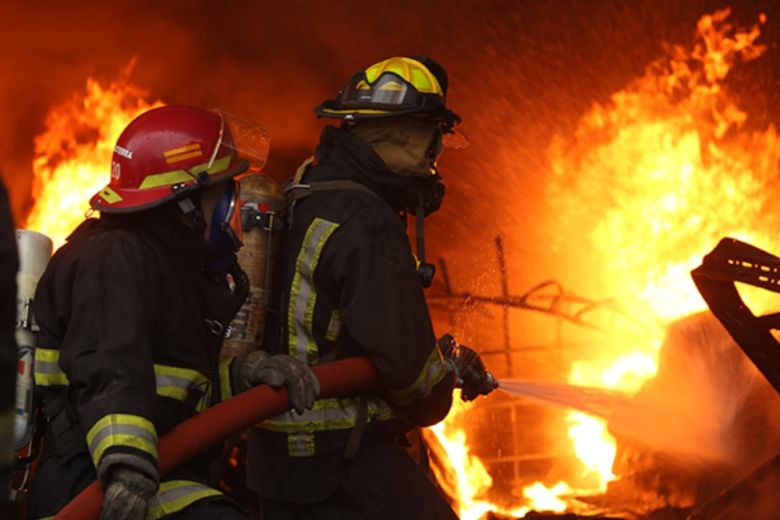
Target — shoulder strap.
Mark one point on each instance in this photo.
(299, 191)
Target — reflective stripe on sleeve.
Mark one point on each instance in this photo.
(47, 368)
(431, 374)
(179, 383)
(225, 389)
(175, 495)
(334, 326)
(303, 295)
(121, 430)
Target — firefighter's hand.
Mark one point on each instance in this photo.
(127, 494)
(261, 368)
(473, 379)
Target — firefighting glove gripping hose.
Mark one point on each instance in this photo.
(261, 368)
(473, 379)
(127, 494)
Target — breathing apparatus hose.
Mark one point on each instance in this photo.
(191, 437)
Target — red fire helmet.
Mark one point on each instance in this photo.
(175, 149)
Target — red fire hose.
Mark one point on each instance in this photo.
(225, 419)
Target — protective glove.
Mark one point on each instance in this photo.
(473, 379)
(261, 368)
(127, 494)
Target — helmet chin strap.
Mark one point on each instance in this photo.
(425, 270)
(192, 215)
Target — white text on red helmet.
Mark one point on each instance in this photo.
(124, 152)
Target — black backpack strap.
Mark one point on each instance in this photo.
(299, 191)
(353, 441)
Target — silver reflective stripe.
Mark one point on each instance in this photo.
(303, 295)
(119, 429)
(47, 368)
(179, 383)
(175, 495)
(300, 444)
(430, 375)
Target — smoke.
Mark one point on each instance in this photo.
(520, 72)
(706, 420)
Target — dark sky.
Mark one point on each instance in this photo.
(520, 72)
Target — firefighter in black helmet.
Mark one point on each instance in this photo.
(351, 286)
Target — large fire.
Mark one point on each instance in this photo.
(651, 180)
(73, 155)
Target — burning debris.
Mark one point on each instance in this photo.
(649, 182)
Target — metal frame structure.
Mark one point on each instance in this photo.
(548, 297)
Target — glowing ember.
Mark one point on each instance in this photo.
(544, 499)
(73, 155)
(647, 186)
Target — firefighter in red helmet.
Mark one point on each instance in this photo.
(132, 312)
(351, 286)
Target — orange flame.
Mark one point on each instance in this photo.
(652, 180)
(73, 155)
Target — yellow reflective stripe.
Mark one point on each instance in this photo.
(158, 180)
(225, 389)
(334, 326)
(175, 495)
(121, 430)
(303, 295)
(185, 152)
(47, 368)
(300, 444)
(219, 165)
(110, 195)
(179, 383)
(328, 415)
(356, 111)
(431, 374)
(182, 149)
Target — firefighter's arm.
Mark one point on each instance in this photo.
(384, 310)
(107, 355)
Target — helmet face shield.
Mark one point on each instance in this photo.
(243, 138)
(389, 90)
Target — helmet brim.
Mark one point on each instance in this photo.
(117, 200)
(332, 110)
